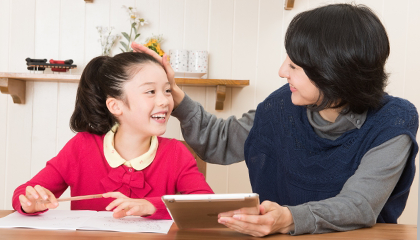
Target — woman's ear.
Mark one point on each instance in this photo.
(113, 106)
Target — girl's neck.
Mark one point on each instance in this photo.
(130, 145)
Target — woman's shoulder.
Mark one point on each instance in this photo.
(396, 112)
(397, 106)
(281, 92)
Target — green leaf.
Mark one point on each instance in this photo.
(133, 25)
(122, 50)
(135, 31)
(137, 35)
(126, 36)
(124, 45)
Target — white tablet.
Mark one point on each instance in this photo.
(202, 210)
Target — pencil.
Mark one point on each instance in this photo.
(75, 198)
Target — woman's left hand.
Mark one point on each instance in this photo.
(273, 218)
(125, 206)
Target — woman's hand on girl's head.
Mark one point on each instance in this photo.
(177, 93)
(124, 206)
(273, 218)
(37, 199)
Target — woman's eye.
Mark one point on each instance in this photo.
(291, 66)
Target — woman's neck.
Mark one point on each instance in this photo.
(130, 145)
(330, 114)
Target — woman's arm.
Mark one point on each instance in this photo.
(214, 140)
(363, 195)
(357, 205)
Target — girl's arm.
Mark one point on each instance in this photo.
(51, 178)
(188, 179)
(47, 183)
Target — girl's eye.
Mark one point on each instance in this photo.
(291, 66)
(151, 92)
(168, 90)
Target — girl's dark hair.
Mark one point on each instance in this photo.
(104, 77)
(343, 49)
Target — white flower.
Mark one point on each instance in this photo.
(143, 21)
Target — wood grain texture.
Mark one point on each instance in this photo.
(380, 231)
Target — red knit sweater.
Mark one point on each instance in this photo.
(81, 164)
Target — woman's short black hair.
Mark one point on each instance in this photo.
(343, 49)
(104, 77)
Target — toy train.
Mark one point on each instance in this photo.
(55, 65)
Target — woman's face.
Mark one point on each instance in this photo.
(304, 92)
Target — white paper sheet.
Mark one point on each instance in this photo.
(85, 220)
(105, 222)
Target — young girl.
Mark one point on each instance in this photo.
(123, 103)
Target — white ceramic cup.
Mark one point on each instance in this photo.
(198, 61)
(179, 60)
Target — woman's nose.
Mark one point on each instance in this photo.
(284, 70)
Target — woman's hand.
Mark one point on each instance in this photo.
(273, 218)
(177, 93)
(124, 206)
(37, 199)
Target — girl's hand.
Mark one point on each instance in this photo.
(273, 218)
(37, 199)
(177, 93)
(124, 206)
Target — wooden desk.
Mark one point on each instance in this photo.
(378, 232)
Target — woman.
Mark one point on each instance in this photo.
(330, 150)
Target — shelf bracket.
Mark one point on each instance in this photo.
(220, 96)
(16, 88)
(289, 4)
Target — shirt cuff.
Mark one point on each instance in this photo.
(185, 110)
(161, 211)
(303, 219)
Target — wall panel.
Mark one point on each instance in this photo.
(72, 34)
(411, 93)
(4, 65)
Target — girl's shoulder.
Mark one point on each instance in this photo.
(170, 143)
(83, 141)
(173, 147)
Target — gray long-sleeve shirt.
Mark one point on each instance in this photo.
(364, 194)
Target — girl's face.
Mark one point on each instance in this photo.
(304, 92)
(150, 101)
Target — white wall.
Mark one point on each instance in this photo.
(244, 39)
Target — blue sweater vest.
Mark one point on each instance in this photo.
(290, 164)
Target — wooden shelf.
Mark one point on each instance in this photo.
(15, 84)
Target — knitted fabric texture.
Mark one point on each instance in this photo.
(290, 164)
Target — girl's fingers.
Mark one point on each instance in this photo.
(122, 206)
(114, 203)
(24, 201)
(41, 191)
(51, 198)
(133, 210)
(31, 193)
